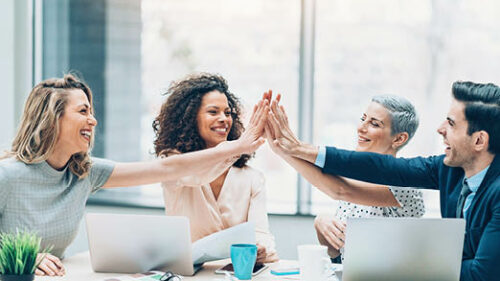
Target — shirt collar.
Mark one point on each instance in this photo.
(475, 181)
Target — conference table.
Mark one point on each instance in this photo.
(78, 268)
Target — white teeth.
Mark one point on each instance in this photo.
(223, 130)
(86, 133)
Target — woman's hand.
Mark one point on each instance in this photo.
(331, 230)
(279, 131)
(261, 254)
(252, 139)
(49, 265)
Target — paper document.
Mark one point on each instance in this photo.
(216, 246)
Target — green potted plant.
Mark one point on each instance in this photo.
(18, 256)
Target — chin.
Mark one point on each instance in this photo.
(449, 162)
(362, 149)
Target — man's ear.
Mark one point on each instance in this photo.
(481, 140)
(399, 140)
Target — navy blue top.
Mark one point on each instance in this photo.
(481, 254)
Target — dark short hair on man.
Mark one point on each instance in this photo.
(482, 109)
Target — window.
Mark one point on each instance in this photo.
(415, 49)
(129, 51)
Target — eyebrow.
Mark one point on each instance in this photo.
(85, 105)
(373, 118)
(216, 107)
(450, 120)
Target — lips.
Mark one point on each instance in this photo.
(363, 139)
(220, 130)
(86, 134)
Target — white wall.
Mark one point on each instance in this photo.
(6, 73)
(15, 64)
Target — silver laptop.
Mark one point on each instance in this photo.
(124, 243)
(403, 249)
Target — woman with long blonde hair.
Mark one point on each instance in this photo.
(48, 174)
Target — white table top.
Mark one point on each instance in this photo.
(78, 268)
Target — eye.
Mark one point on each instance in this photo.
(212, 112)
(84, 110)
(362, 118)
(375, 124)
(228, 113)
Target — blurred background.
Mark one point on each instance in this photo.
(327, 58)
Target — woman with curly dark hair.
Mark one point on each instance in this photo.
(201, 113)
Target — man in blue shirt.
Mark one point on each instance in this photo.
(467, 175)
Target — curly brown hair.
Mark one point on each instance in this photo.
(176, 127)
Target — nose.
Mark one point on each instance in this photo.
(362, 126)
(91, 120)
(441, 129)
(222, 117)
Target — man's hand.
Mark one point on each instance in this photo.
(331, 230)
(49, 265)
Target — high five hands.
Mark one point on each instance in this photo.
(280, 137)
(269, 119)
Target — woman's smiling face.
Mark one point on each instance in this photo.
(76, 125)
(374, 130)
(214, 118)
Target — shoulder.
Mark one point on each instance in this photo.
(12, 167)
(249, 175)
(248, 171)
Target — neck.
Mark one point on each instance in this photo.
(58, 160)
(478, 164)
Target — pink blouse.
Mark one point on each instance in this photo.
(242, 198)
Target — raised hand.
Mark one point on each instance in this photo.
(252, 139)
(278, 130)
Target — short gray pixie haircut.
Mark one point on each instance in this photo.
(404, 117)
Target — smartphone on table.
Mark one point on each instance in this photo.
(257, 268)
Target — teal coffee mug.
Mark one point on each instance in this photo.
(243, 257)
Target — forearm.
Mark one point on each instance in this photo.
(342, 189)
(171, 168)
(330, 185)
(306, 152)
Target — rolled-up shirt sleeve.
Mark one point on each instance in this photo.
(100, 171)
(321, 158)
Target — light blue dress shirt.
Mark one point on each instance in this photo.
(474, 182)
(321, 158)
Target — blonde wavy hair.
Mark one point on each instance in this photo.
(39, 129)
